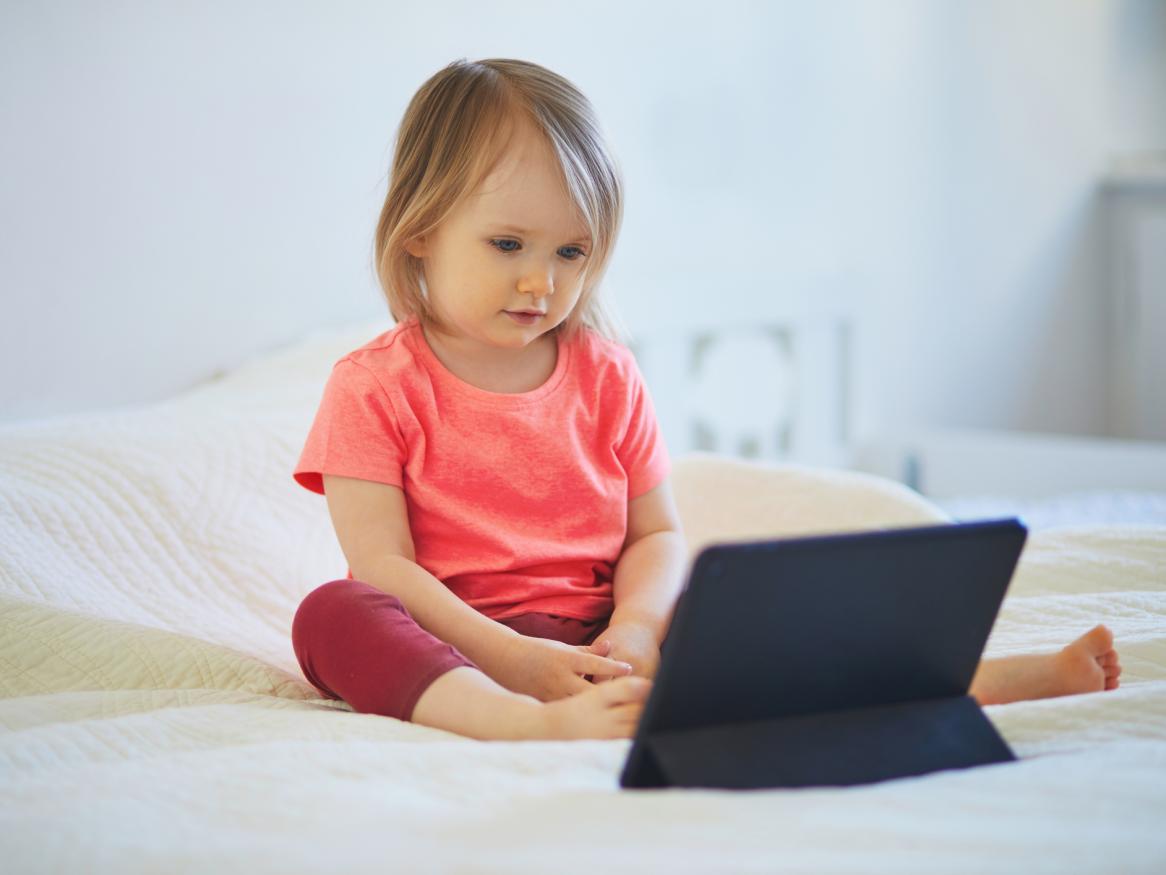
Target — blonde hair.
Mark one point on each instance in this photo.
(454, 132)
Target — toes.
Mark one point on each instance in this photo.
(1112, 673)
(1098, 640)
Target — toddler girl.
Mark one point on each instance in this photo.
(492, 464)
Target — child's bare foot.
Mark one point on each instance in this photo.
(1087, 665)
(608, 710)
(467, 701)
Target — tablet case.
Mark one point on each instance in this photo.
(828, 661)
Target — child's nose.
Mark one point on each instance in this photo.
(537, 284)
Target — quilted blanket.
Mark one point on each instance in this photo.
(153, 717)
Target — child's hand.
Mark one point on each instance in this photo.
(549, 669)
(628, 642)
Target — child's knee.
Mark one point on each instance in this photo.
(325, 606)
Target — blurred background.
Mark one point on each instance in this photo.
(923, 239)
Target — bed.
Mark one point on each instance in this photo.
(153, 716)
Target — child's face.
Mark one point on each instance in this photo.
(477, 268)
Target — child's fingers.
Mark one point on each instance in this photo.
(601, 677)
(598, 678)
(601, 665)
(578, 685)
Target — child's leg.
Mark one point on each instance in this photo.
(1088, 664)
(471, 703)
(360, 644)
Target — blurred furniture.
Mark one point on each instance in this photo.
(943, 462)
(775, 387)
(1135, 256)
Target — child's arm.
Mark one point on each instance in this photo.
(440, 612)
(648, 578)
(372, 524)
(650, 571)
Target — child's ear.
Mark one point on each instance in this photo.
(416, 247)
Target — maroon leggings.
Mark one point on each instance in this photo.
(360, 644)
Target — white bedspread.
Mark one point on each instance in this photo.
(154, 717)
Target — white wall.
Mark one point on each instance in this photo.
(187, 184)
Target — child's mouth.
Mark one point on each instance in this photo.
(524, 318)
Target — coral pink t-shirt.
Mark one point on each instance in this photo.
(517, 502)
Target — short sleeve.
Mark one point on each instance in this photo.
(355, 432)
(642, 451)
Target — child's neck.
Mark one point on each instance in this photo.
(494, 369)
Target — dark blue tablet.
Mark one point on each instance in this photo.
(832, 659)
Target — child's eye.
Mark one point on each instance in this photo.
(497, 244)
